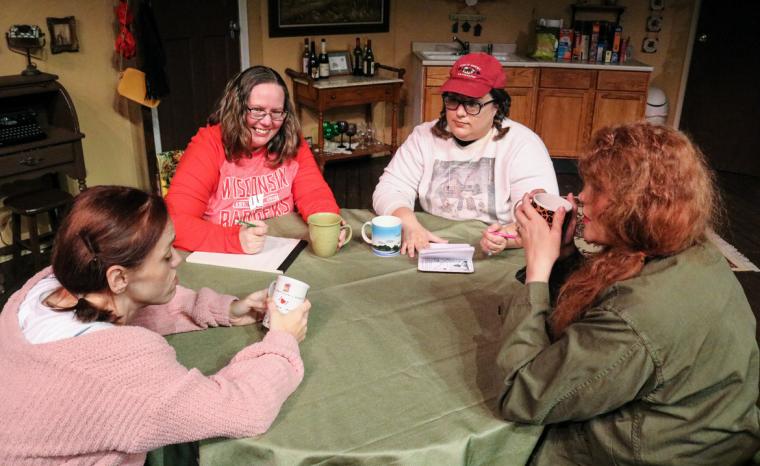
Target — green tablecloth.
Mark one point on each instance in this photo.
(400, 364)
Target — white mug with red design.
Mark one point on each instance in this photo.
(287, 294)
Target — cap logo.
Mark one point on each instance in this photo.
(471, 71)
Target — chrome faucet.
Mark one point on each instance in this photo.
(465, 46)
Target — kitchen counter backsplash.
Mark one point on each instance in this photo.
(445, 54)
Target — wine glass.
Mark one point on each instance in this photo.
(361, 134)
(351, 131)
(342, 127)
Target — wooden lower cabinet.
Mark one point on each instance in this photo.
(562, 120)
(614, 108)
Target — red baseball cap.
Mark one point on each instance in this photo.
(474, 75)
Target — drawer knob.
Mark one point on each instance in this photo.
(30, 161)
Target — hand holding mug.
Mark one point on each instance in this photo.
(294, 322)
(252, 236)
(541, 241)
(328, 232)
(249, 309)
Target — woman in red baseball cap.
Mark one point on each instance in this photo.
(472, 163)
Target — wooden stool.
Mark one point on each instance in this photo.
(50, 201)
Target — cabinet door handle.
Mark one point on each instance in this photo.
(333, 96)
(30, 161)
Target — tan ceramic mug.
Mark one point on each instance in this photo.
(324, 233)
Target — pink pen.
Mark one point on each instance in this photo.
(503, 235)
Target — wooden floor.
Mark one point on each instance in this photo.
(353, 182)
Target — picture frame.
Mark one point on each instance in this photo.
(63, 34)
(340, 63)
(288, 18)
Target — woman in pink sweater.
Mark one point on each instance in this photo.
(86, 377)
(248, 165)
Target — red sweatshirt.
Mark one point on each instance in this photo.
(208, 194)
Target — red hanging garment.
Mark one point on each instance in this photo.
(125, 41)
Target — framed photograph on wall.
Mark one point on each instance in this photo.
(340, 63)
(317, 17)
(63, 34)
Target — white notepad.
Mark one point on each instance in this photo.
(276, 256)
(444, 257)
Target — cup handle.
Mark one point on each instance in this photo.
(349, 235)
(364, 233)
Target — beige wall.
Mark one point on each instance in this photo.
(113, 144)
(114, 149)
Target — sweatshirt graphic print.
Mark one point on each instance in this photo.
(246, 197)
(462, 190)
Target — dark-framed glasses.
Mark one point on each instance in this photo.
(258, 113)
(471, 107)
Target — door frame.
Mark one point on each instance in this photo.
(245, 62)
(687, 64)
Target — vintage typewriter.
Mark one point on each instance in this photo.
(19, 127)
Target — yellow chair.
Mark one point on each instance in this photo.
(167, 165)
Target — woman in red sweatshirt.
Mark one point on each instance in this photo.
(249, 164)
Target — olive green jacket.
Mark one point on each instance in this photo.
(663, 369)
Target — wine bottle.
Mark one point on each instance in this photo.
(358, 59)
(313, 62)
(369, 60)
(324, 64)
(305, 56)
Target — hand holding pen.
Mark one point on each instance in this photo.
(252, 235)
(498, 237)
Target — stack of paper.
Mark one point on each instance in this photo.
(444, 257)
(277, 255)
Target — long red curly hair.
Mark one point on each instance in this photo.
(662, 198)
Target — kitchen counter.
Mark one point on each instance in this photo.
(510, 59)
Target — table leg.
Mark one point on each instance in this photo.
(394, 127)
(321, 142)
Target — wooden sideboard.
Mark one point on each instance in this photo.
(344, 91)
(61, 150)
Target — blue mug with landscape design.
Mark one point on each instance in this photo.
(386, 235)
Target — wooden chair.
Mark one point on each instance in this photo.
(54, 202)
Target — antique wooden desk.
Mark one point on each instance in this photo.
(344, 91)
(61, 150)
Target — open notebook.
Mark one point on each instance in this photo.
(276, 257)
(444, 257)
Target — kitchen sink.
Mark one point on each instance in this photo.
(438, 55)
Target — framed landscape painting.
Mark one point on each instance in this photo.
(326, 17)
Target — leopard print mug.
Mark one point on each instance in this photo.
(546, 204)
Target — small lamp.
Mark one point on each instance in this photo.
(22, 36)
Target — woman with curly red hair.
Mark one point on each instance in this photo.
(648, 354)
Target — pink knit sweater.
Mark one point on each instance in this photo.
(110, 396)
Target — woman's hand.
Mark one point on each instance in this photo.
(294, 322)
(249, 309)
(493, 243)
(342, 235)
(541, 243)
(252, 238)
(414, 236)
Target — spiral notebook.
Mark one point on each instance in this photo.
(276, 257)
(444, 257)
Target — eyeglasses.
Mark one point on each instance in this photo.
(259, 113)
(471, 107)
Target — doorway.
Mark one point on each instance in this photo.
(721, 108)
(201, 40)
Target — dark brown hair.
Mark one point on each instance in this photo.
(502, 100)
(231, 114)
(107, 226)
(662, 198)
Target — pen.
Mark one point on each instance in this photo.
(248, 224)
(503, 235)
